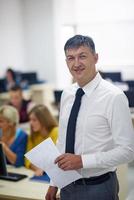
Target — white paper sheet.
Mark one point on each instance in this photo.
(43, 156)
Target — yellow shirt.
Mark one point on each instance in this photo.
(38, 139)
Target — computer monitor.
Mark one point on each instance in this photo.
(57, 96)
(3, 170)
(114, 76)
(2, 85)
(130, 96)
(130, 84)
(4, 174)
(30, 77)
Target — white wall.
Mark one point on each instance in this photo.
(32, 36)
(27, 37)
(63, 11)
(39, 38)
(11, 35)
(111, 24)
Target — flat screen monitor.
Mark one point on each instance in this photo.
(2, 85)
(130, 96)
(30, 77)
(114, 76)
(57, 95)
(4, 174)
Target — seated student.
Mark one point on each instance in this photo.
(17, 100)
(10, 78)
(43, 125)
(14, 140)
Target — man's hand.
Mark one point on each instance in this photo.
(51, 193)
(69, 161)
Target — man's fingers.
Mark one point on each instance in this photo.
(63, 162)
(58, 159)
(65, 166)
(62, 157)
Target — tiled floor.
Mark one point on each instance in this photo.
(130, 182)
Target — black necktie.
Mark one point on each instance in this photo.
(70, 136)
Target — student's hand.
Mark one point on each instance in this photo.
(69, 161)
(39, 172)
(51, 193)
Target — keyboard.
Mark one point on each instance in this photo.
(13, 176)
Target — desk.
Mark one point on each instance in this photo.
(122, 171)
(30, 190)
(24, 189)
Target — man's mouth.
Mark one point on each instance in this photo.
(79, 70)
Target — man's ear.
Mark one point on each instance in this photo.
(96, 57)
(66, 62)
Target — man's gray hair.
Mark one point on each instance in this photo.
(80, 40)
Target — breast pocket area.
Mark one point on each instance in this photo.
(97, 125)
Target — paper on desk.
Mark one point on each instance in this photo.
(43, 156)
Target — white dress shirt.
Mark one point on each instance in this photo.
(104, 131)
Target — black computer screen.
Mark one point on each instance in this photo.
(3, 170)
(57, 95)
(114, 76)
(2, 85)
(130, 96)
(30, 77)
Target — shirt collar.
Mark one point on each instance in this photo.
(88, 88)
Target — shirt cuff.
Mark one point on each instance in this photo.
(89, 161)
(52, 184)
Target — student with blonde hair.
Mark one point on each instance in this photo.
(14, 139)
(43, 125)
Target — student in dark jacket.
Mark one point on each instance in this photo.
(21, 104)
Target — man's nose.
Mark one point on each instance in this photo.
(76, 62)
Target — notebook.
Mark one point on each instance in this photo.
(43, 178)
(4, 174)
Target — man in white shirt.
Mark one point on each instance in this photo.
(104, 136)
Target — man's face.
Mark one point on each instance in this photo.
(81, 63)
(16, 98)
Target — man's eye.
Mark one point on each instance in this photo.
(70, 58)
(82, 56)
